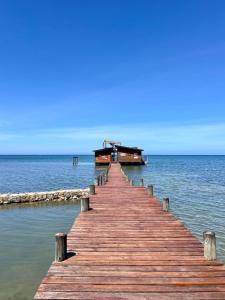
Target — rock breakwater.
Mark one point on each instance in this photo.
(73, 195)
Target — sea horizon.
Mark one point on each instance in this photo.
(87, 154)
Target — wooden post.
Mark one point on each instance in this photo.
(102, 179)
(92, 189)
(84, 204)
(209, 245)
(150, 190)
(166, 204)
(60, 246)
(131, 182)
(75, 160)
(141, 182)
(105, 178)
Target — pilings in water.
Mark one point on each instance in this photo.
(75, 160)
(102, 178)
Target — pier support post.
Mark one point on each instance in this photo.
(150, 190)
(131, 182)
(101, 179)
(141, 182)
(105, 178)
(84, 204)
(75, 160)
(209, 245)
(92, 189)
(60, 246)
(166, 204)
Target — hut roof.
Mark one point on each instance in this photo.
(119, 147)
(129, 148)
(110, 149)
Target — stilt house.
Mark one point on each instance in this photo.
(117, 152)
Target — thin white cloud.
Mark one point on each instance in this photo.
(154, 138)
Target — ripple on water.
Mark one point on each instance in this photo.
(27, 245)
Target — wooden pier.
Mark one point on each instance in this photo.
(127, 247)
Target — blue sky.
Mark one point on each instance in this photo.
(149, 73)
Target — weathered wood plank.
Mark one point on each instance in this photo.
(127, 247)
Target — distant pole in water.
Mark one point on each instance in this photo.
(75, 160)
(150, 190)
(84, 204)
(166, 204)
(60, 246)
(209, 245)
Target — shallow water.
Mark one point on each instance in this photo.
(27, 245)
(195, 185)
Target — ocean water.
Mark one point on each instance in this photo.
(31, 173)
(194, 184)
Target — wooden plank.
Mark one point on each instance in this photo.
(127, 248)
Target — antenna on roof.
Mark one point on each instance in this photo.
(108, 142)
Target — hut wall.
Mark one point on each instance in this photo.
(102, 158)
(134, 157)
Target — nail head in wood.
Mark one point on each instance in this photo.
(60, 247)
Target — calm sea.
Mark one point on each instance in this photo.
(195, 185)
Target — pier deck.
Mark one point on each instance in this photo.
(128, 248)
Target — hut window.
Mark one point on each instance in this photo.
(136, 156)
(123, 154)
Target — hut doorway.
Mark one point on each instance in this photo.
(115, 156)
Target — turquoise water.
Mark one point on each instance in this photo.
(27, 245)
(195, 185)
